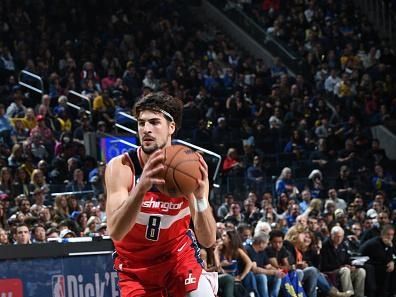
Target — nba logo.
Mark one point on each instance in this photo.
(58, 286)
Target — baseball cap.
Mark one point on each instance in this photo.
(338, 212)
(101, 226)
(220, 119)
(39, 117)
(315, 173)
(372, 213)
(65, 232)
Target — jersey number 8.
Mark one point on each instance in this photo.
(153, 228)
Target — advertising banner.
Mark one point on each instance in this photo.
(111, 147)
(80, 276)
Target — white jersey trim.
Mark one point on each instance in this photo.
(166, 220)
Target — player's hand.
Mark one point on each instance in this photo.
(152, 170)
(202, 192)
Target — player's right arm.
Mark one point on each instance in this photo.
(122, 207)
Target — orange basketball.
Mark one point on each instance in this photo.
(181, 172)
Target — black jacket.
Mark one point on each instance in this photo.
(332, 258)
(369, 234)
(379, 253)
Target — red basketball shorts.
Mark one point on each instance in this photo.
(174, 277)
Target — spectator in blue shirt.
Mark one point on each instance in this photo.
(268, 278)
(256, 176)
(6, 129)
(306, 199)
(284, 183)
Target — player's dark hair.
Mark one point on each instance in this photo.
(160, 101)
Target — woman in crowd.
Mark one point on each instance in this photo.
(314, 208)
(16, 158)
(61, 208)
(4, 237)
(235, 261)
(284, 184)
(21, 182)
(92, 223)
(72, 203)
(283, 204)
(6, 181)
(3, 216)
(37, 181)
(212, 264)
(82, 220)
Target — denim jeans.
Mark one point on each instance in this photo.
(310, 280)
(226, 285)
(323, 284)
(268, 285)
(250, 284)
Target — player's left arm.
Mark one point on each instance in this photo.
(201, 212)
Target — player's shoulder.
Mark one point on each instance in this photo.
(116, 161)
(121, 162)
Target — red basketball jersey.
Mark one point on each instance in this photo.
(160, 228)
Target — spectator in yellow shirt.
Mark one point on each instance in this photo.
(103, 108)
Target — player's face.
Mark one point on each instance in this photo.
(154, 131)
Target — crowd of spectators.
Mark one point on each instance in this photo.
(297, 151)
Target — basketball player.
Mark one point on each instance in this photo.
(156, 254)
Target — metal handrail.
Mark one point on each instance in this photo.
(72, 193)
(122, 140)
(79, 108)
(213, 154)
(126, 129)
(127, 115)
(30, 86)
(85, 98)
(207, 152)
(267, 36)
